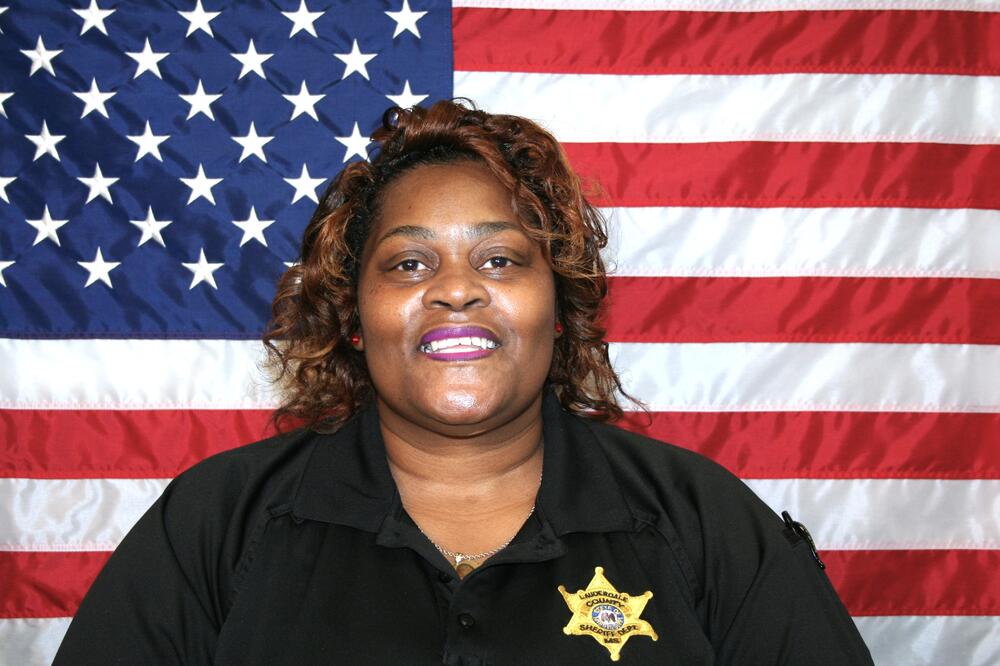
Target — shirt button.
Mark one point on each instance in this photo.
(466, 620)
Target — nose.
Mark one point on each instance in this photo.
(457, 288)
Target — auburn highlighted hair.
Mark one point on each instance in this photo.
(322, 378)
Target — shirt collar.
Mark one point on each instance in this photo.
(347, 480)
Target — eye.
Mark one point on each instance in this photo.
(498, 261)
(409, 266)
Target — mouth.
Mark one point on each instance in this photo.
(458, 343)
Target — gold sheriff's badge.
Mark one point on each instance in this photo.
(610, 616)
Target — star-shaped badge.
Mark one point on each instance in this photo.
(609, 616)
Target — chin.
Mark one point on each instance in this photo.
(461, 408)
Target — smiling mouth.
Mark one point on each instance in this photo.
(458, 345)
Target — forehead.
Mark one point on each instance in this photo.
(445, 196)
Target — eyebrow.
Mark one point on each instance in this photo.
(478, 230)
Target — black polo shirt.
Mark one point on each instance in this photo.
(297, 550)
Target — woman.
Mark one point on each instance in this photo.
(455, 497)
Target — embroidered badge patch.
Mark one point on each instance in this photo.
(609, 616)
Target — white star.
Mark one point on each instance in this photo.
(252, 61)
(355, 61)
(45, 143)
(47, 228)
(4, 96)
(253, 229)
(149, 143)
(200, 102)
(406, 20)
(147, 60)
(94, 99)
(98, 184)
(407, 98)
(4, 182)
(356, 144)
(302, 19)
(2, 10)
(4, 265)
(151, 228)
(253, 144)
(203, 270)
(304, 185)
(199, 19)
(201, 186)
(41, 58)
(93, 17)
(99, 269)
(304, 102)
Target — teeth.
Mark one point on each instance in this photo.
(450, 343)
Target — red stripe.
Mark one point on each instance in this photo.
(159, 444)
(46, 583)
(808, 174)
(669, 42)
(870, 582)
(916, 582)
(120, 444)
(835, 445)
(804, 309)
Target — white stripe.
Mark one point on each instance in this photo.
(811, 376)
(219, 374)
(773, 107)
(893, 640)
(72, 514)
(132, 374)
(95, 514)
(753, 242)
(32, 641)
(932, 640)
(736, 5)
(856, 514)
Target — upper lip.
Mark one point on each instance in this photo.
(446, 332)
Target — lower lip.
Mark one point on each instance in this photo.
(459, 356)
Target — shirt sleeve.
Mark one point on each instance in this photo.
(790, 613)
(155, 600)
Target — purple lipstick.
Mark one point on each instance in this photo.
(458, 343)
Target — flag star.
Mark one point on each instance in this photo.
(406, 20)
(203, 270)
(4, 182)
(149, 143)
(356, 144)
(93, 17)
(147, 60)
(47, 228)
(2, 10)
(407, 98)
(200, 102)
(252, 61)
(355, 61)
(98, 184)
(4, 96)
(305, 186)
(41, 58)
(201, 186)
(302, 19)
(304, 102)
(199, 19)
(151, 228)
(94, 99)
(45, 143)
(253, 229)
(253, 144)
(4, 265)
(99, 269)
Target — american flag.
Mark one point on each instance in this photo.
(804, 199)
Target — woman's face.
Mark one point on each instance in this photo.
(457, 304)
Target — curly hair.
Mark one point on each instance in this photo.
(323, 379)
